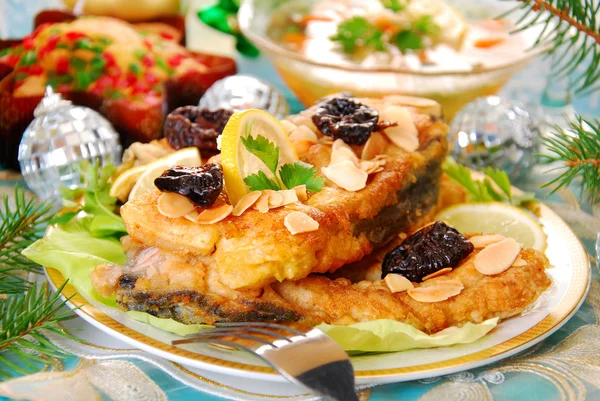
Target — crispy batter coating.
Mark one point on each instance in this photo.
(321, 299)
(256, 249)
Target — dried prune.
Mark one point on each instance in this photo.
(346, 119)
(428, 250)
(201, 185)
(192, 126)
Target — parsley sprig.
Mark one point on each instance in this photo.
(358, 33)
(290, 175)
(495, 187)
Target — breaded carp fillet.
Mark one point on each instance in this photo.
(190, 295)
(256, 249)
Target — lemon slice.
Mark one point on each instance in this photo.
(122, 186)
(145, 183)
(237, 162)
(496, 218)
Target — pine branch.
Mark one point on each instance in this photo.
(579, 150)
(20, 226)
(23, 319)
(572, 32)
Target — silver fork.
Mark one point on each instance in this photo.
(311, 359)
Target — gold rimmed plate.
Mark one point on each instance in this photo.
(570, 274)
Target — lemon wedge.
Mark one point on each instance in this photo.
(238, 163)
(145, 182)
(496, 218)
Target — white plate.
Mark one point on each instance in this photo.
(570, 276)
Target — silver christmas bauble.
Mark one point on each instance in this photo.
(495, 132)
(241, 92)
(58, 139)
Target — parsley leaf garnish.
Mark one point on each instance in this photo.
(262, 148)
(408, 40)
(299, 173)
(291, 174)
(394, 5)
(358, 32)
(260, 181)
(486, 190)
(425, 25)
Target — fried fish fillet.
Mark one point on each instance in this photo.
(255, 249)
(187, 294)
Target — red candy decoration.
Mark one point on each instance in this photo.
(62, 65)
(73, 36)
(148, 60)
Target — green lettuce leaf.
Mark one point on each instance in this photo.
(390, 336)
(169, 325)
(75, 253)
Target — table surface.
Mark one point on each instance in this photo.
(566, 366)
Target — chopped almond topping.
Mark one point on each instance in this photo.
(423, 105)
(214, 214)
(481, 241)
(301, 192)
(519, 262)
(303, 132)
(405, 134)
(496, 258)
(246, 202)
(346, 175)
(299, 222)
(288, 125)
(398, 283)
(174, 205)
(438, 273)
(440, 291)
(376, 145)
(289, 196)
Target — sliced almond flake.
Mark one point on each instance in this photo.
(302, 147)
(288, 125)
(519, 262)
(438, 273)
(275, 198)
(376, 145)
(303, 132)
(341, 151)
(289, 196)
(377, 170)
(498, 257)
(214, 214)
(422, 105)
(301, 192)
(215, 159)
(440, 291)
(192, 216)
(262, 205)
(326, 140)
(405, 134)
(481, 241)
(246, 202)
(346, 175)
(174, 205)
(398, 283)
(299, 222)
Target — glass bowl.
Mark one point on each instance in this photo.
(311, 80)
